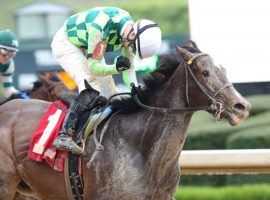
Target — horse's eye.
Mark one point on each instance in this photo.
(205, 73)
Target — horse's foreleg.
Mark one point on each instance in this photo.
(8, 178)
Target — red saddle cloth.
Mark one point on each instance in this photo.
(41, 144)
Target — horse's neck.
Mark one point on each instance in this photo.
(39, 94)
(163, 134)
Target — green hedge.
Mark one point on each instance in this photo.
(260, 104)
(207, 180)
(253, 138)
(241, 179)
(223, 180)
(215, 135)
(247, 192)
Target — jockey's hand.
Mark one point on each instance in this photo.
(135, 90)
(122, 63)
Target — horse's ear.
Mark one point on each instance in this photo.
(184, 53)
(192, 44)
(42, 77)
(87, 85)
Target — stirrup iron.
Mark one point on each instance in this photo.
(67, 144)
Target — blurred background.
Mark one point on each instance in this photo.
(234, 32)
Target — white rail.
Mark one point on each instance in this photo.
(225, 161)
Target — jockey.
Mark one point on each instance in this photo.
(9, 46)
(79, 47)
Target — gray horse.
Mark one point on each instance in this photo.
(142, 142)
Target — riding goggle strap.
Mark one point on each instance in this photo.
(127, 38)
(131, 42)
(140, 31)
(6, 52)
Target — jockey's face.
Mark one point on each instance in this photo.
(6, 55)
(128, 35)
(4, 58)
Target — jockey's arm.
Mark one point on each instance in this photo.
(96, 50)
(129, 76)
(7, 81)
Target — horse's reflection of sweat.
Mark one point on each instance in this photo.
(141, 145)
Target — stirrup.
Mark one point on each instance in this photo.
(66, 143)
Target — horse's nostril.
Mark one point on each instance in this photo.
(240, 106)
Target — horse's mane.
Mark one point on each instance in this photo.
(167, 64)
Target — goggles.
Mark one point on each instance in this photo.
(132, 43)
(6, 52)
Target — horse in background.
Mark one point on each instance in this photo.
(142, 141)
(49, 87)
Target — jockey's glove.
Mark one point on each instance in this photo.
(135, 90)
(122, 63)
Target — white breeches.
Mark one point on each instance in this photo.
(73, 60)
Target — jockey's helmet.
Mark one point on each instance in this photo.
(148, 38)
(8, 41)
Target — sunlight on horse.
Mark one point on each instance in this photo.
(141, 145)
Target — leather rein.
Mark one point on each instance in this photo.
(215, 107)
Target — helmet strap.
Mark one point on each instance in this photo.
(126, 39)
(140, 31)
(131, 42)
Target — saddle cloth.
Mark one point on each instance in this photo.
(41, 144)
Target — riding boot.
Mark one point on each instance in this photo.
(84, 101)
(65, 141)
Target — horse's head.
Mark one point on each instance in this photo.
(207, 81)
(55, 88)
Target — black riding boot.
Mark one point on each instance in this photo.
(83, 101)
(65, 141)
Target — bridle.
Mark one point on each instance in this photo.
(215, 107)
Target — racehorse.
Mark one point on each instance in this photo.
(142, 141)
(49, 87)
